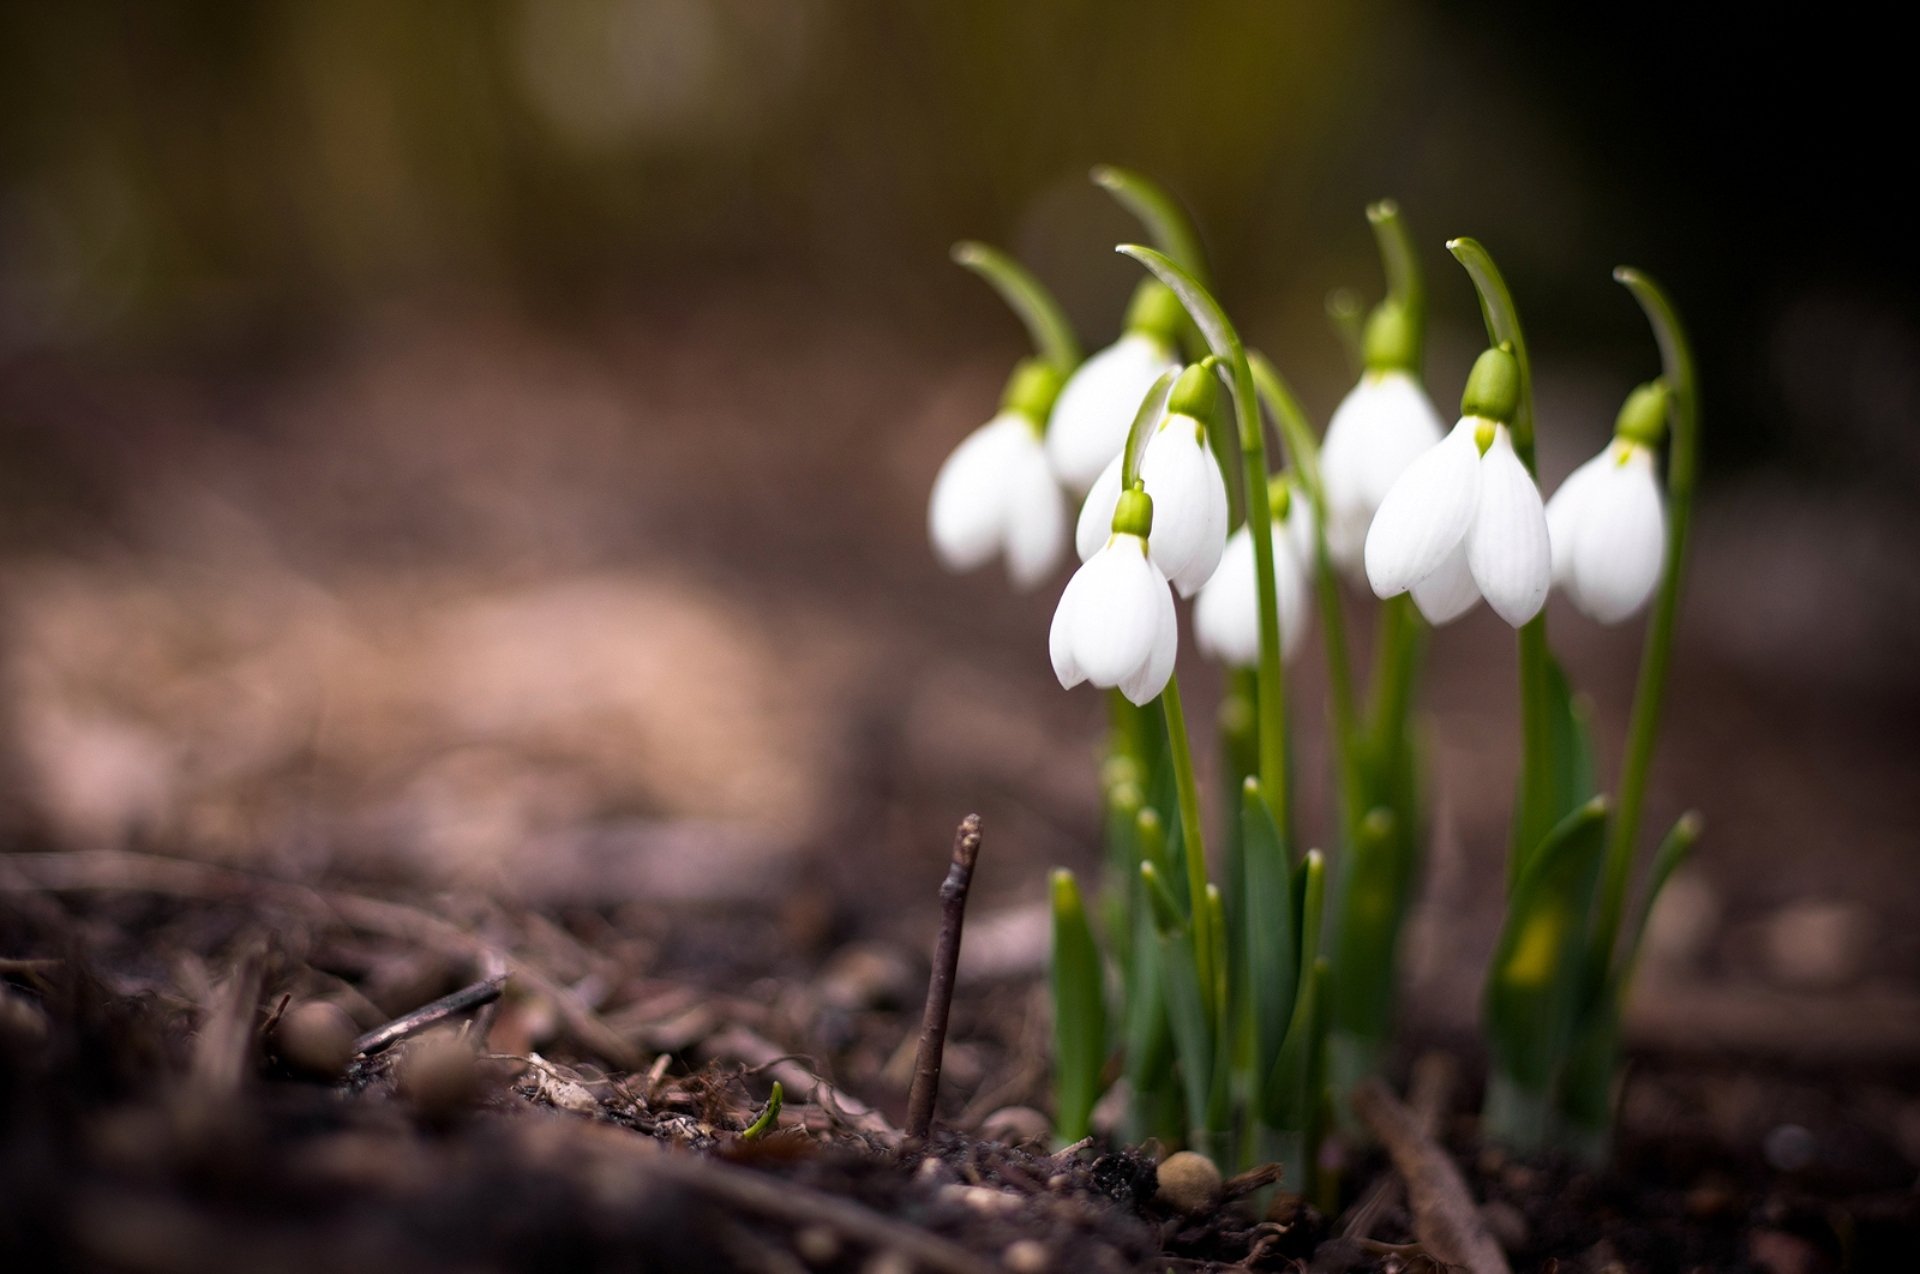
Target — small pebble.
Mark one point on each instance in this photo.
(315, 1038)
(1015, 1126)
(1188, 1182)
(1026, 1256)
(816, 1244)
(1789, 1148)
(438, 1072)
(983, 1199)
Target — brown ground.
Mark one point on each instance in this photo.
(625, 654)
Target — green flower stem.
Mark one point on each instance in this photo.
(1224, 341)
(1166, 222)
(1303, 453)
(1193, 844)
(1676, 357)
(1046, 322)
(1404, 282)
(1348, 315)
(1535, 819)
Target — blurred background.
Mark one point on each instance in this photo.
(486, 444)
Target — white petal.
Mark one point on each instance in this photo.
(1566, 509)
(1384, 424)
(1226, 618)
(1036, 516)
(966, 515)
(1425, 515)
(1300, 528)
(1060, 635)
(1116, 617)
(1096, 512)
(1294, 597)
(1097, 405)
(1449, 592)
(1507, 547)
(1145, 685)
(1620, 545)
(1189, 503)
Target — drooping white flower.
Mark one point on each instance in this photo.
(1098, 402)
(1608, 526)
(1189, 493)
(1115, 624)
(1226, 619)
(1383, 424)
(996, 494)
(1466, 513)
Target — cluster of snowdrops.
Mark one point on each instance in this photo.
(1235, 1011)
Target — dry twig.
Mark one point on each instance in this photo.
(946, 959)
(1445, 1219)
(483, 992)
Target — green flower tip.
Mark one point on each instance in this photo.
(1133, 515)
(1382, 210)
(1643, 417)
(1066, 893)
(1196, 393)
(1166, 911)
(1155, 312)
(1031, 389)
(1377, 826)
(1493, 387)
(1690, 826)
(1250, 786)
(1280, 496)
(1390, 343)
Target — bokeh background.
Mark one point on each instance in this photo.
(486, 444)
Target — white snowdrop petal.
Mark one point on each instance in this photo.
(1181, 476)
(1300, 531)
(1294, 598)
(1036, 517)
(1566, 509)
(1425, 514)
(1060, 635)
(1507, 548)
(1115, 620)
(1226, 618)
(1213, 537)
(1404, 425)
(1449, 592)
(1096, 512)
(1145, 685)
(965, 515)
(1097, 405)
(1620, 546)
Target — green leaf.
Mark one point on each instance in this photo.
(1166, 222)
(1146, 1036)
(1079, 1011)
(768, 1117)
(1367, 941)
(1674, 851)
(1192, 1026)
(1569, 768)
(1169, 917)
(1535, 982)
(1271, 932)
(1348, 315)
(1207, 315)
(1026, 296)
(1292, 1097)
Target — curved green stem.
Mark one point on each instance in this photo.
(1224, 341)
(1152, 407)
(1536, 817)
(1193, 843)
(1676, 357)
(1047, 324)
(1405, 283)
(1166, 222)
(1303, 453)
(1503, 326)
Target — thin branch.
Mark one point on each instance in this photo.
(485, 991)
(1445, 1219)
(946, 959)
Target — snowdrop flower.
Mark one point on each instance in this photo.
(1383, 425)
(1180, 473)
(1115, 625)
(1226, 619)
(1607, 521)
(1098, 402)
(996, 493)
(1465, 519)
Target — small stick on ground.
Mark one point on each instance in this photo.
(1445, 1219)
(485, 991)
(1429, 1093)
(946, 959)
